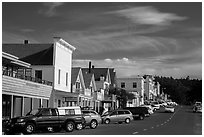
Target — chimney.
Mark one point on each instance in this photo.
(89, 66)
(26, 42)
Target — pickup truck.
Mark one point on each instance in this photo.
(69, 118)
(138, 112)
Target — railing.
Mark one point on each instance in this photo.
(29, 78)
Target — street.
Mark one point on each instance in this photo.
(182, 122)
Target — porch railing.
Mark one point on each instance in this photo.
(29, 78)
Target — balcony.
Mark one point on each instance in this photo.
(21, 86)
(28, 78)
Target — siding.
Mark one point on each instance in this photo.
(26, 88)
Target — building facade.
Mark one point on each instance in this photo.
(21, 92)
(134, 86)
(48, 62)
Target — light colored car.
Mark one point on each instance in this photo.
(117, 116)
(92, 118)
(169, 109)
(155, 105)
(197, 107)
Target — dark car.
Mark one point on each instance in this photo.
(54, 119)
(138, 112)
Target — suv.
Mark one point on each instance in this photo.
(47, 118)
(138, 112)
(117, 116)
(92, 118)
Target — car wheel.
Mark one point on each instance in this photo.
(127, 120)
(107, 121)
(93, 124)
(141, 117)
(29, 128)
(69, 126)
(79, 126)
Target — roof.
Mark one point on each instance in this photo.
(87, 77)
(75, 73)
(98, 72)
(112, 75)
(35, 54)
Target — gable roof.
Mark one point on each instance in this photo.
(98, 72)
(112, 75)
(87, 77)
(75, 73)
(35, 54)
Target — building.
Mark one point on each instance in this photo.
(149, 91)
(52, 62)
(21, 91)
(134, 86)
(103, 82)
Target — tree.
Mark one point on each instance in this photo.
(122, 96)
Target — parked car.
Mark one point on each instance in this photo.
(155, 105)
(197, 107)
(149, 107)
(138, 112)
(54, 119)
(92, 118)
(169, 109)
(118, 116)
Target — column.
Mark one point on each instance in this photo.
(12, 106)
(22, 106)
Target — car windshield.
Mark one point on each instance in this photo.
(107, 113)
(33, 112)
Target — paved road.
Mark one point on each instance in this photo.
(182, 122)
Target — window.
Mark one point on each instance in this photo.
(134, 85)
(54, 113)
(38, 74)
(77, 85)
(122, 84)
(66, 79)
(69, 112)
(59, 103)
(59, 76)
(126, 112)
(46, 112)
(120, 112)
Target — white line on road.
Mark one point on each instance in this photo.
(157, 125)
(144, 129)
(162, 124)
(152, 127)
(135, 132)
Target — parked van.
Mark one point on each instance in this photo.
(118, 116)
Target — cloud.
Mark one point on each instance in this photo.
(27, 30)
(50, 9)
(130, 68)
(148, 15)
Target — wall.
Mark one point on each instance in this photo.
(19, 86)
(62, 61)
(47, 72)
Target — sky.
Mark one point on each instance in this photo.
(135, 38)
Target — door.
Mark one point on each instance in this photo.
(121, 116)
(44, 118)
(114, 116)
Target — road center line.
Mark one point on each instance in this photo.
(144, 129)
(135, 132)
